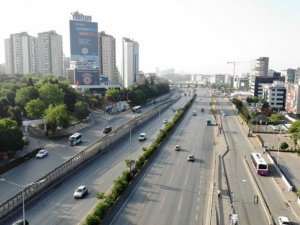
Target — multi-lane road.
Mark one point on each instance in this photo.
(172, 191)
(242, 183)
(57, 206)
(175, 191)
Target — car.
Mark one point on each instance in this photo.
(282, 220)
(177, 147)
(80, 192)
(142, 137)
(106, 130)
(165, 121)
(20, 222)
(41, 154)
(191, 158)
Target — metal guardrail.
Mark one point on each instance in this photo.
(58, 173)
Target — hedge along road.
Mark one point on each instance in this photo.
(97, 175)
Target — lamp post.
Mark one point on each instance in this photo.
(233, 215)
(23, 187)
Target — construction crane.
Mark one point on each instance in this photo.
(233, 67)
(234, 64)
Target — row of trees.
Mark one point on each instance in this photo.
(138, 94)
(57, 103)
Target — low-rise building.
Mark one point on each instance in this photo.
(275, 94)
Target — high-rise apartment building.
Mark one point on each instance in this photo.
(130, 62)
(21, 54)
(107, 56)
(50, 53)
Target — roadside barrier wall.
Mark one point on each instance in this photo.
(60, 172)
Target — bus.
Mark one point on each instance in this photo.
(136, 109)
(260, 165)
(75, 139)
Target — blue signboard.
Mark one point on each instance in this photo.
(84, 41)
(86, 77)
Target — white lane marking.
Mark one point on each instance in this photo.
(186, 179)
(196, 217)
(162, 202)
(197, 207)
(179, 206)
(198, 199)
(172, 178)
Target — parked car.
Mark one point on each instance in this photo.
(106, 130)
(20, 222)
(41, 154)
(191, 158)
(142, 137)
(80, 192)
(282, 220)
(165, 121)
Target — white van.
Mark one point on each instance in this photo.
(142, 137)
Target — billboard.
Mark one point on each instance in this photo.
(84, 41)
(86, 77)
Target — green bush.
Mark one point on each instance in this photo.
(100, 195)
(92, 220)
(121, 183)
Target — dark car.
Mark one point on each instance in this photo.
(20, 222)
(106, 130)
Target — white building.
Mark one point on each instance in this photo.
(130, 62)
(107, 56)
(21, 54)
(50, 52)
(275, 94)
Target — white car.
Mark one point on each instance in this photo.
(41, 154)
(165, 121)
(142, 137)
(80, 192)
(177, 148)
(282, 220)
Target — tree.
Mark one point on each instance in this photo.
(11, 136)
(70, 96)
(284, 146)
(81, 110)
(56, 116)
(255, 99)
(113, 94)
(249, 100)
(51, 94)
(275, 118)
(295, 127)
(35, 109)
(25, 94)
(15, 114)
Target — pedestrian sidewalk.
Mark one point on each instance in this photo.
(221, 207)
(290, 196)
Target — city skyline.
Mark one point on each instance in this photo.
(190, 36)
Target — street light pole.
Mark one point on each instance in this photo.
(23, 197)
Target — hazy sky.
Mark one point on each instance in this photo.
(196, 36)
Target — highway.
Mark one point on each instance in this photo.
(58, 152)
(241, 182)
(57, 206)
(175, 191)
